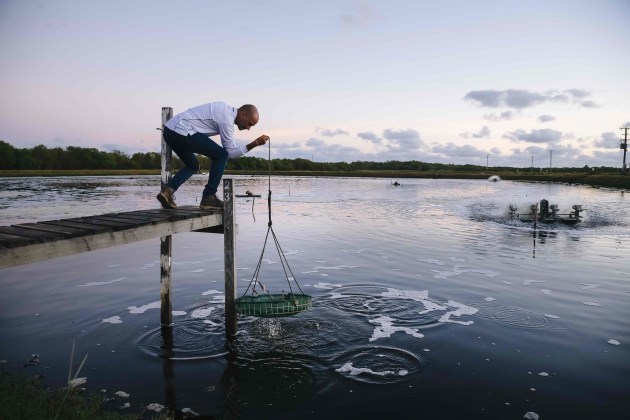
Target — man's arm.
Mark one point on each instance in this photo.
(260, 141)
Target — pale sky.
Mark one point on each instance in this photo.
(448, 81)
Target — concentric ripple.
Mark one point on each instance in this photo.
(378, 365)
(513, 316)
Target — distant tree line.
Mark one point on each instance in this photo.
(42, 157)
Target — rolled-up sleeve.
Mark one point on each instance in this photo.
(226, 131)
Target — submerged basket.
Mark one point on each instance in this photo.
(273, 306)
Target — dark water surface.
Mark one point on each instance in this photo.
(428, 302)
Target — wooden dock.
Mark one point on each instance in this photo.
(31, 242)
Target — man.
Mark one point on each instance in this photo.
(189, 133)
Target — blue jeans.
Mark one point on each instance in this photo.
(185, 147)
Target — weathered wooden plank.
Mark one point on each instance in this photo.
(79, 225)
(118, 219)
(229, 240)
(63, 230)
(7, 240)
(109, 223)
(32, 252)
(29, 233)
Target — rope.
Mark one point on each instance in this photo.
(283, 259)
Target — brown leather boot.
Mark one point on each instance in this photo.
(211, 202)
(167, 198)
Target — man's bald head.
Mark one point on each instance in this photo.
(246, 117)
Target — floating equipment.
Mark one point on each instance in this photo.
(268, 305)
(547, 214)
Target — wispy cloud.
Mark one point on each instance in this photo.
(483, 133)
(362, 14)
(546, 118)
(327, 132)
(371, 137)
(520, 99)
(503, 116)
(545, 135)
(607, 140)
(452, 150)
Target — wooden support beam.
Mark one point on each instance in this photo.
(166, 242)
(229, 238)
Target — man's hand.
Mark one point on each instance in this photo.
(262, 140)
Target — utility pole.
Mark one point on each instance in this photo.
(624, 146)
(550, 154)
(532, 167)
(487, 156)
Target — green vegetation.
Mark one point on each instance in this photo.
(27, 398)
(76, 161)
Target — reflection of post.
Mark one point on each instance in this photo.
(168, 369)
(166, 242)
(229, 239)
(534, 252)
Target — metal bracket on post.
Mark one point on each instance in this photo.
(166, 242)
(229, 238)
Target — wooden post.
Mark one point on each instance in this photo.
(166, 242)
(229, 239)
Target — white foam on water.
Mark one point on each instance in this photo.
(587, 286)
(268, 261)
(430, 261)
(354, 251)
(309, 272)
(210, 292)
(218, 299)
(122, 394)
(593, 303)
(179, 313)
(551, 316)
(101, 283)
(387, 328)
(207, 321)
(113, 320)
(142, 309)
(189, 412)
(155, 407)
(528, 282)
(461, 310)
(112, 266)
(199, 270)
(150, 265)
(530, 415)
(614, 342)
(353, 371)
(125, 405)
(292, 252)
(421, 296)
(334, 295)
(457, 259)
(336, 267)
(459, 270)
(77, 381)
(328, 286)
(324, 275)
(506, 282)
(545, 291)
(543, 374)
(202, 312)
(489, 299)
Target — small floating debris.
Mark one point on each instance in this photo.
(33, 361)
(614, 342)
(530, 415)
(494, 178)
(544, 213)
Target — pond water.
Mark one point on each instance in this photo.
(427, 302)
